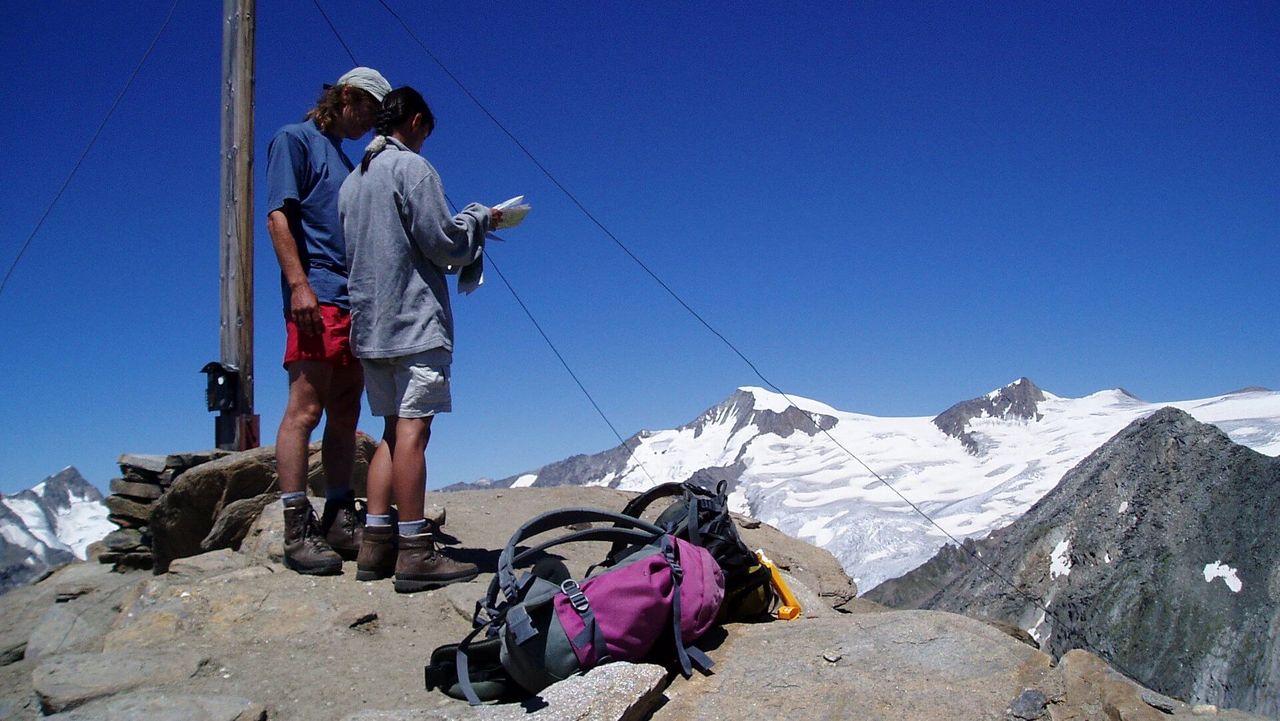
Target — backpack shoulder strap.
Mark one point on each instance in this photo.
(463, 666)
(625, 529)
(689, 656)
(636, 506)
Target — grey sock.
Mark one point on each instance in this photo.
(412, 528)
(377, 520)
(293, 498)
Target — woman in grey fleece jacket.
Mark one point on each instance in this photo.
(401, 242)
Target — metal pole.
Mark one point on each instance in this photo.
(237, 428)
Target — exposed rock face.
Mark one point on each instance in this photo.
(578, 469)
(741, 408)
(1016, 400)
(1159, 550)
(917, 588)
(186, 513)
(64, 488)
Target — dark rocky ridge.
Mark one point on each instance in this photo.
(1141, 522)
(1016, 400)
(741, 408)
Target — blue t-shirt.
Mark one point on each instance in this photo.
(308, 167)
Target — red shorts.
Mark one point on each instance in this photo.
(333, 346)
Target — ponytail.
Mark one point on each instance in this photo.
(398, 108)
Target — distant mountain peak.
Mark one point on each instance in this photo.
(48, 524)
(768, 411)
(748, 412)
(65, 487)
(1018, 400)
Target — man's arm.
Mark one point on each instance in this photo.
(304, 308)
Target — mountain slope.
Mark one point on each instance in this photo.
(976, 467)
(47, 525)
(1159, 549)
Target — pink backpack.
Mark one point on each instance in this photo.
(551, 626)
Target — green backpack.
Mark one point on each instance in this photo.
(701, 517)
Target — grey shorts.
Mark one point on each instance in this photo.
(408, 387)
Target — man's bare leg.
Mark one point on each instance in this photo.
(341, 522)
(308, 388)
(305, 549)
(342, 413)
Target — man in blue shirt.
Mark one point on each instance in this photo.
(305, 170)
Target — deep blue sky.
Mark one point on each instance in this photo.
(889, 207)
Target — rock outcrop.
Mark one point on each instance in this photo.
(1158, 550)
(209, 504)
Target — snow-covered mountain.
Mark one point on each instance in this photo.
(51, 523)
(847, 481)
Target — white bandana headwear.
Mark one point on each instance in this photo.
(368, 80)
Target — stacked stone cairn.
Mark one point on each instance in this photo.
(143, 480)
(184, 504)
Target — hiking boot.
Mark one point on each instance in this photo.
(342, 524)
(305, 550)
(420, 566)
(377, 558)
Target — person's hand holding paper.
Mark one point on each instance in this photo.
(512, 211)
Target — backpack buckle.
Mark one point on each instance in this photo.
(520, 625)
(577, 598)
(673, 560)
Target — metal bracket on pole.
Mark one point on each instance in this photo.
(223, 394)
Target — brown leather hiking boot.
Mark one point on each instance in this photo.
(342, 524)
(377, 559)
(420, 566)
(305, 550)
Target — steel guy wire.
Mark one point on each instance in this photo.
(646, 268)
(559, 356)
(550, 176)
(519, 301)
(92, 140)
(336, 33)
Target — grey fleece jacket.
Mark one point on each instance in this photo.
(401, 241)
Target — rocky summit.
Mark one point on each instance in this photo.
(1158, 550)
(231, 635)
